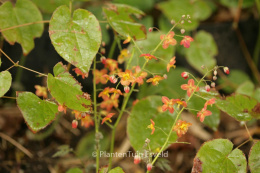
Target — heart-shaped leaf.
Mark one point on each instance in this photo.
(240, 107)
(5, 82)
(202, 51)
(139, 119)
(76, 39)
(118, 16)
(23, 12)
(37, 113)
(66, 90)
(217, 156)
(254, 158)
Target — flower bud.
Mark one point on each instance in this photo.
(183, 16)
(215, 78)
(150, 29)
(207, 88)
(149, 167)
(202, 67)
(126, 89)
(103, 60)
(215, 73)
(182, 31)
(74, 124)
(185, 75)
(83, 115)
(165, 76)
(189, 21)
(182, 22)
(103, 43)
(213, 84)
(103, 51)
(137, 159)
(172, 22)
(226, 70)
(113, 79)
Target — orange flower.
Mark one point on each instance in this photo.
(155, 80)
(62, 108)
(79, 72)
(179, 102)
(135, 102)
(111, 64)
(148, 56)
(115, 91)
(168, 40)
(100, 76)
(108, 117)
(87, 121)
(77, 114)
(105, 93)
(209, 102)
(127, 40)
(110, 102)
(126, 77)
(203, 113)
(151, 126)
(123, 54)
(190, 87)
(186, 41)
(168, 104)
(181, 127)
(171, 64)
(41, 91)
(139, 76)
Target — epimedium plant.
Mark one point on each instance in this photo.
(155, 118)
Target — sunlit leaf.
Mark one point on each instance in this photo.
(217, 156)
(37, 113)
(74, 170)
(142, 5)
(23, 12)
(116, 170)
(202, 51)
(5, 82)
(254, 158)
(247, 88)
(240, 107)
(139, 119)
(66, 90)
(48, 6)
(77, 38)
(119, 17)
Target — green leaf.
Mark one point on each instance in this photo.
(76, 39)
(116, 170)
(37, 113)
(213, 120)
(86, 145)
(247, 88)
(5, 82)
(170, 87)
(62, 151)
(23, 12)
(74, 170)
(234, 3)
(66, 90)
(48, 6)
(257, 94)
(202, 51)
(104, 169)
(119, 17)
(235, 78)
(254, 158)
(144, 5)
(217, 156)
(139, 119)
(147, 46)
(240, 107)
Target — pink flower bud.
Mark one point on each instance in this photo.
(126, 89)
(137, 159)
(74, 124)
(226, 70)
(202, 67)
(103, 43)
(182, 31)
(149, 167)
(207, 88)
(215, 72)
(60, 108)
(83, 115)
(165, 76)
(103, 60)
(215, 78)
(150, 29)
(185, 75)
(213, 84)
(113, 79)
(103, 51)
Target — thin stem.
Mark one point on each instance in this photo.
(113, 47)
(96, 116)
(25, 24)
(243, 143)
(200, 96)
(250, 137)
(7, 56)
(257, 46)
(6, 97)
(32, 70)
